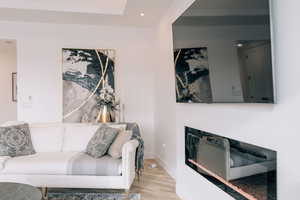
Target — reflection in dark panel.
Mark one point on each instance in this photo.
(242, 170)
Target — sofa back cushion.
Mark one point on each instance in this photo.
(77, 136)
(47, 138)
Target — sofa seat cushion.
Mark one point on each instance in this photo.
(83, 164)
(62, 163)
(52, 163)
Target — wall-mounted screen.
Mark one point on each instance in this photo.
(223, 52)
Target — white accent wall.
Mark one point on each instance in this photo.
(40, 69)
(273, 126)
(8, 65)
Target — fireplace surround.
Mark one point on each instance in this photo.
(242, 170)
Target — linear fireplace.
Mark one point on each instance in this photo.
(244, 171)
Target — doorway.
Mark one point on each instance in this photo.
(8, 80)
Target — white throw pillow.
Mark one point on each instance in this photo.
(115, 149)
(47, 139)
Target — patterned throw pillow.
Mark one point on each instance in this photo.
(15, 141)
(101, 141)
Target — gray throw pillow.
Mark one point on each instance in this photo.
(101, 141)
(16, 141)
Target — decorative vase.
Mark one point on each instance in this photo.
(106, 114)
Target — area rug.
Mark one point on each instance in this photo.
(73, 194)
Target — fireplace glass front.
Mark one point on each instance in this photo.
(244, 171)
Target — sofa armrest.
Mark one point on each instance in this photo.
(128, 162)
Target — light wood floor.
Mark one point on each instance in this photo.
(155, 184)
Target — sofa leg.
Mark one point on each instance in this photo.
(44, 193)
(127, 194)
(139, 177)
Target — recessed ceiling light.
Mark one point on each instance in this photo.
(142, 14)
(239, 45)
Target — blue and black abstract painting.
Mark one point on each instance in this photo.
(85, 73)
(192, 75)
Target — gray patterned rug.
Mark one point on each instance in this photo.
(73, 194)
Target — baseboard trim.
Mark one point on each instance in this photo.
(149, 156)
(166, 167)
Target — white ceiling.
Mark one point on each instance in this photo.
(107, 12)
(113, 7)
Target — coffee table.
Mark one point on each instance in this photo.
(17, 191)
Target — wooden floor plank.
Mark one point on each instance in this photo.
(155, 184)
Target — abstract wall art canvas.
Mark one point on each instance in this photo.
(85, 73)
(192, 76)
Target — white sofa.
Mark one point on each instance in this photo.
(60, 161)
